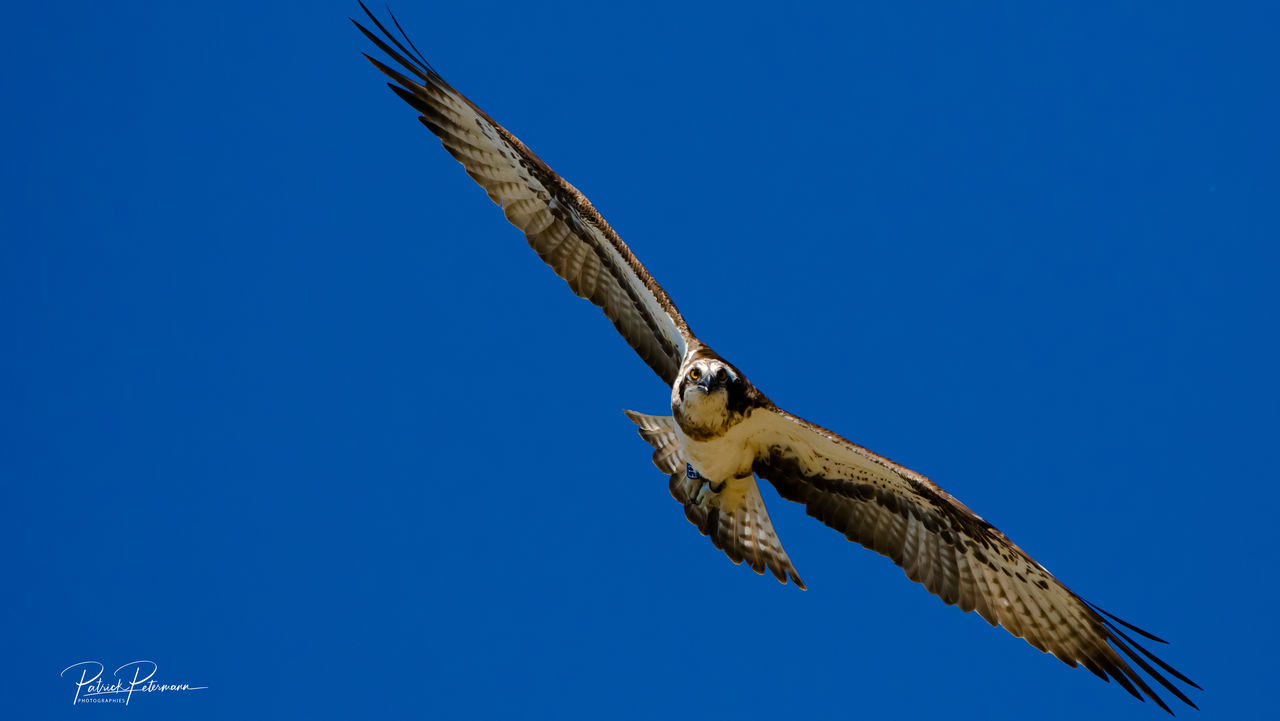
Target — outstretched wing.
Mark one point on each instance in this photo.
(559, 222)
(735, 519)
(949, 549)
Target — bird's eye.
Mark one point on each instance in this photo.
(695, 374)
(721, 375)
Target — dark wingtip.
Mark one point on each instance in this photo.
(1122, 642)
(414, 62)
(1118, 640)
(1126, 624)
(405, 35)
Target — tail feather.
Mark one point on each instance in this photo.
(735, 519)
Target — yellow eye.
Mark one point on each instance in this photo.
(695, 374)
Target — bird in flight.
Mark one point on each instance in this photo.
(723, 433)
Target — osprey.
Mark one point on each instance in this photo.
(723, 433)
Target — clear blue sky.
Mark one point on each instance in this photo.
(291, 410)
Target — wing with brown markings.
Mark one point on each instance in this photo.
(558, 221)
(949, 549)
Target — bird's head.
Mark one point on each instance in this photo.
(707, 377)
(710, 396)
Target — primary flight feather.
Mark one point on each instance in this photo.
(724, 433)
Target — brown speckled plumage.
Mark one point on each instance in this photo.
(724, 433)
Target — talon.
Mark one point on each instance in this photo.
(716, 487)
(699, 494)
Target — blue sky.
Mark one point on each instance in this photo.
(295, 414)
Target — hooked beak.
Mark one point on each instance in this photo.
(704, 384)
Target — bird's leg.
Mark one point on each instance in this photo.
(704, 486)
(701, 493)
(707, 488)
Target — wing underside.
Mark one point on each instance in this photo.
(951, 551)
(558, 221)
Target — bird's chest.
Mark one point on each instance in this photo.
(720, 459)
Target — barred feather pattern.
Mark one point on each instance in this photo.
(949, 549)
(735, 519)
(559, 222)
